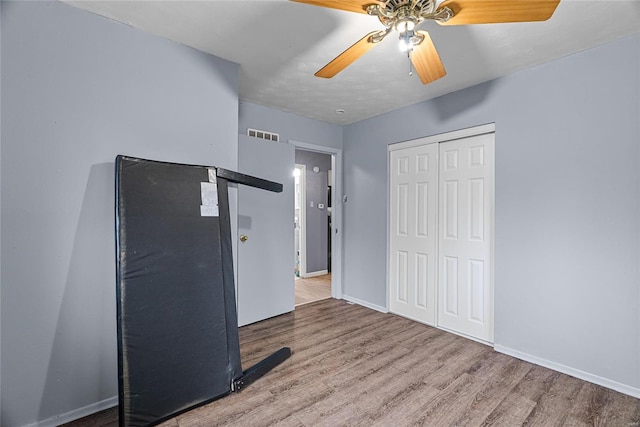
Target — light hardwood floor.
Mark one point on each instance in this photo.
(352, 366)
(313, 289)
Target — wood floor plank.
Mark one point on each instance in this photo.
(448, 404)
(105, 418)
(315, 369)
(333, 410)
(512, 411)
(486, 367)
(400, 410)
(590, 407)
(495, 388)
(284, 407)
(536, 383)
(552, 408)
(431, 357)
(228, 409)
(598, 406)
(624, 409)
(365, 369)
(350, 321)
(426, 337)
(396, 386)
(288, 323)
(352, 366)
(456, 362)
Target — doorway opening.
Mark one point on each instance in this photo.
(299, 216)
(313, 218)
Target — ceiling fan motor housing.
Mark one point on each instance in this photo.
(419, 7)
(402, 15)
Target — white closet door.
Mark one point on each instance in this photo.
(413, 232)
(465, 284)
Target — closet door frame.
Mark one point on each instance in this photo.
(436, 139)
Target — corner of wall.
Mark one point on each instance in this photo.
(62, 306)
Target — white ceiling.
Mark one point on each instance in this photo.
(280, 45)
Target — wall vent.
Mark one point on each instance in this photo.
(269, 136)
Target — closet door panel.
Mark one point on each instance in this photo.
(465, 286)
(413, 233)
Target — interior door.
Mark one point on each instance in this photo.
(265, 285)
(413, 232)
(466, 200)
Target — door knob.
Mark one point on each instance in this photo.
(244, 238)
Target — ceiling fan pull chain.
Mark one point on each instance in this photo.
(410, 64)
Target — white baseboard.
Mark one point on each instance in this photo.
(365, 304)
(76, 414)
(314, 274)
(595, 379)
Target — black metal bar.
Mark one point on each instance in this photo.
(249, 180)
(233, 339)
(231, 176)
(261, 368)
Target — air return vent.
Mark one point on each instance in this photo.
(269, 136)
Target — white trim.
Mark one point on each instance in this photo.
(337, 241)
(444, 137)
(302, 238)
(315, 274)
(365, 304)
(577, 373)
(388, 230)
(76, 414)
(336, 212)
(311, 302)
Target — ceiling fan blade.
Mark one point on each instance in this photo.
(345, 59)
(359, 6)
(426, 60)
(498, 11)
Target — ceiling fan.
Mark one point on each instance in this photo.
(404, 16)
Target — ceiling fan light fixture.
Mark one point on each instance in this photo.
(406, 41)
(405, 24)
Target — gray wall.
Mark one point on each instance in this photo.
(79, 89)
(292, 127)
(567, 281)
(316, 218)
(289, 126)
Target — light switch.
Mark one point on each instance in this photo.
(311, 204)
